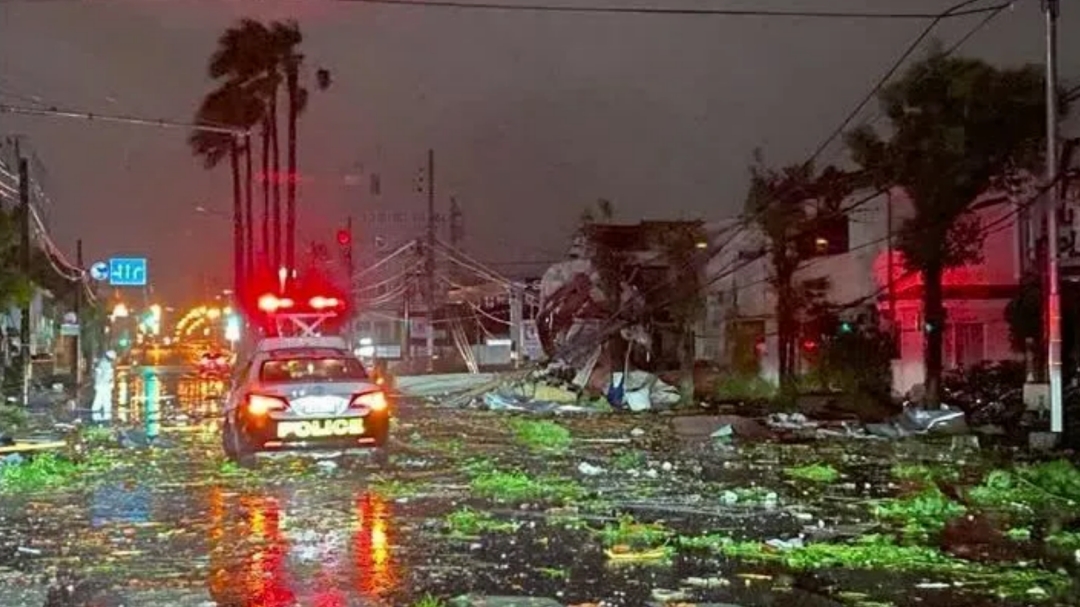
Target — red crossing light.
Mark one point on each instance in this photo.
(343, 237)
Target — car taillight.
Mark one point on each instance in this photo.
(260, 404)
(374, 400)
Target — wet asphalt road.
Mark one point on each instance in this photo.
(159, 529)
(178, 526)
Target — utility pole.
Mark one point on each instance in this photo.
(456, 233)
(78, 318)
(1053, 304)
(406, 324)
(516, 321)
(24, 262)
(457, 227)
(429, 262)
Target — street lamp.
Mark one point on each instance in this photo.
(119, 311)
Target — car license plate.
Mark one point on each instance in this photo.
(318, 405)
(321, 428)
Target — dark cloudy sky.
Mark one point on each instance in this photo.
(532, 116)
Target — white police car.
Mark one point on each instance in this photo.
(304, 393)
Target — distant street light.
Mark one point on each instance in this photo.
(120, 311)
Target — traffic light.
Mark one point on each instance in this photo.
(344, 238)
(845, 327)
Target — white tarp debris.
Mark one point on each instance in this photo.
(644, 391)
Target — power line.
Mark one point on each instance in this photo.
(899, 62)
(669, 11)
(631, 10)
(91, 116)
(955, 46)
(958, 9)
(990, 16)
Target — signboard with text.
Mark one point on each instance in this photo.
(127, 272)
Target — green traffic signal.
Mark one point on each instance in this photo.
(846, 327)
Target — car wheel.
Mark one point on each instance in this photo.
(381, 456)
(235, 447)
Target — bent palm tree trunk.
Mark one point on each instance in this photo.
(265, 252)
(249, 211)
(292, 77)
(276, 177)
(238, 217)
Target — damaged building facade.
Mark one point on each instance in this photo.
(605, 310)
(865, 275)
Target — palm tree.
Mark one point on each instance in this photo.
(286, 38)
(245, 57)
(260, 58)
(249, 222)
(228, 106)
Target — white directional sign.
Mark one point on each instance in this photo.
(99, 271)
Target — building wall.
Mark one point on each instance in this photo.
(744, 295)
(43, 328)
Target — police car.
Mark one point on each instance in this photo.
(304, 393)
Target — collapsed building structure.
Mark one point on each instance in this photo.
(603, 311)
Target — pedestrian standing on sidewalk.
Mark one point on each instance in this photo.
(101, 409)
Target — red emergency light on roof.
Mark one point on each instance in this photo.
(322, 303)
(272, 303)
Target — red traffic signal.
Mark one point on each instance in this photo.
(344, 238)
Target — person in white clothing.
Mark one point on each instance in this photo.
(101, 409)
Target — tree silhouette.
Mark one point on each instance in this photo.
(260, 59)
(781, 202)
(958, 128)
(245, 61)
(229, 106)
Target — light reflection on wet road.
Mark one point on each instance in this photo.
(178, 519)
(300, 538)
(273, 550)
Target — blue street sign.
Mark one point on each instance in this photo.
(99, 271)
(127, 271)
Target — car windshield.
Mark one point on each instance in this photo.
(327, 369)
